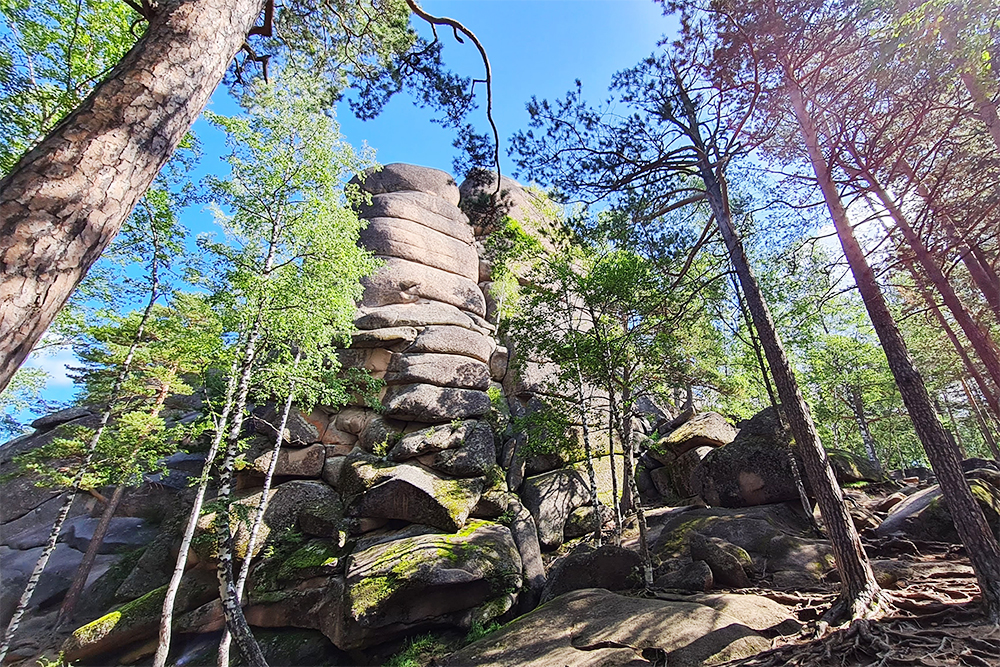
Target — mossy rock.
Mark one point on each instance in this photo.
(925, 514)
(415, 578)
(849, 467)
(138, 619)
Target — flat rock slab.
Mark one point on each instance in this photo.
(432, 404)
(550, 498)
(437, 438)
(453, 340)
(415, 315)
(708, 429)
(593, 627)
(443, 370)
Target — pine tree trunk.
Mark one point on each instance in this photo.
(970, 523)
(628, 444)
(67, 198)
(860, 595)
(83, 571)
(984, 427)
(258, 519)
(167, 615)
(980, 341)
(615, 501)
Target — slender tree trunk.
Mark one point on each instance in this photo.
(50, 545)
(970, 523)
(615, 499)
(628, 445)
(984, 427)
(972, 256)
(860, 594)
(67, 198)
(584, 421)
(258, 519)
(166, 617)
(83, 571)
(858, 409)
(980, 341)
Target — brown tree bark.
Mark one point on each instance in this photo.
(970, 523)
(67, 198)
(858, 409)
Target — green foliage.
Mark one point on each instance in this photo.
(420, 651)
(52, 56)
(290, 265)
(547, 431)
(24, 393)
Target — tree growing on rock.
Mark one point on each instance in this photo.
(287, 282)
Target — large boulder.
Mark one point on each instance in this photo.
(400, 177)
(434, 439)
(417, 315)
(925, 514)
(402, 281)
(550, 498)
(684, 470)
(416, 578)
(775, 537)
(445, 370)
(608, 567)
(286, 503)
(306, 462)
(848, 467)
(443, 339)
(429, 403)
(475, 459)
(754, 469)
(299, 432)
(708, 429)
(595, 627)
(384, 490)
(138, 619)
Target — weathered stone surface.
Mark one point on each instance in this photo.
(353, 420)
(153, 568)
(299, 432)
(392, 338)
(58, 417)
(550, 498)
(408, 492)
(453, 340)
(442, 370)
(429, 403)
(123, 534)
(306, 462)
(728, 562)
(662, 482)
(415, 315)
(285, 503)
(608, 567)
(138, 619)
(405, 239)
(499, 361)
(754, 469)
(530, 210)
(708, 429)
(684, 469)
(399, 281)
(42, 516)
(584, 520)
(774, 536)
(415, 581)
(477, 456)
(430, 211)
(437, 438)
(400, 177)
(525, 533)
(755, 611)
(587, 627)
(849, 467)
(925, 514)
(16, 566)
(687, 576)
(492, 504)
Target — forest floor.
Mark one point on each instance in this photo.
(936, 619)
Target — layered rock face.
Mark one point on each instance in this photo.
(421, 318)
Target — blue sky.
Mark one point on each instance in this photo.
(536, 47)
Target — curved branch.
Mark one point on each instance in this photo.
(457, 28)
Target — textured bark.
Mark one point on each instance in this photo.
(980, 340)
(984, 427)
(860, 594)
(67, 198)
(972, 255)
(970, 523)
